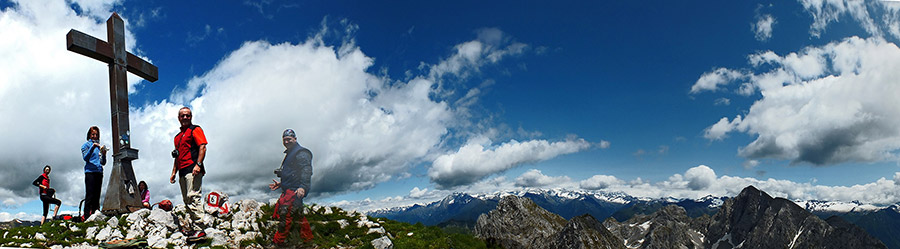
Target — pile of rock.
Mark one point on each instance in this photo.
(162, 229)
(239, 228)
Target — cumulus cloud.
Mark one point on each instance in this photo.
(762, 29)
(711, 81)
(534, 178)
(48, 104)
(695, 182)
(479, 158)
(719, 130)
(599, 182)
(700, 177)
(363, 129)
(5, 216)
(824, 105)
(491, 46)
(416, 192)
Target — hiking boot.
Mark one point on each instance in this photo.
(196, 236)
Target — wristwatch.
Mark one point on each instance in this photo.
(200, 164)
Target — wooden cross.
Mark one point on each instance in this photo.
(121, 192)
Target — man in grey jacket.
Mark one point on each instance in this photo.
(295, 174)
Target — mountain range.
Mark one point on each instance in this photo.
(463, 210)
(753, 219)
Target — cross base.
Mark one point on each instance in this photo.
(122, 194)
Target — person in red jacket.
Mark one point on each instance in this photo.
(189, 153)
(43, 183)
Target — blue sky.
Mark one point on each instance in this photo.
(406, 101)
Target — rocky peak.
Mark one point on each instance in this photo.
(518, 222)
(753, 219)
(585, 231)
(670, 227)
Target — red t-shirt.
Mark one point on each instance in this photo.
(183, 143)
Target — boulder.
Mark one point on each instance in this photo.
(160, 217)
(217, 236)
(382, 243)
(97, 216)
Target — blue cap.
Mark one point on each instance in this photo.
(289, 133)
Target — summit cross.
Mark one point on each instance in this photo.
(121, 192)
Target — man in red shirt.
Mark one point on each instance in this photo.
(190, 150)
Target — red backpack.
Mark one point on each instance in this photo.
(165, 205)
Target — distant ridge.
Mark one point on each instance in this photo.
(462, 209)
(751, 220)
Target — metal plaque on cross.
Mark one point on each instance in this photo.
(121, 193)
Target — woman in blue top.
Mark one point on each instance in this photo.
(94, 156)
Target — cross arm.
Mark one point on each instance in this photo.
(87, 45)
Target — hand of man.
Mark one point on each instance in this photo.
(301, 193)
(196, 169)
(172, 179)
(275, 185)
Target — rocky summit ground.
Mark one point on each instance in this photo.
(248, 225)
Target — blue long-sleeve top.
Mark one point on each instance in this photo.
(296, 168)
(93, 160)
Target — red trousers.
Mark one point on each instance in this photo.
(285, 212)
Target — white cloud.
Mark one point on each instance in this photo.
(97, 8)
(719, 130)
(4, 216)
(491, 46)
(762, 29)
(363, 129)
(603, 144)
(825, 12)
(534, 178)
(750, 164)
(830, 104)
(722, 101)
(417, 193)
(48, 104)
(710, 81)
(478, 159)
(696, 182)
(700, 177)
(600, 182)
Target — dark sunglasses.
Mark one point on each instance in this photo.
(185, 115)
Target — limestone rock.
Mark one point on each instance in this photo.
(382, 243)
(137, 216)
(97, 216)
(40, 236)
(379, 230)
(161, 217)
(90, 233)
(344, 223)
(113, 222)
(103, 234)
(157, 241)
(218, 237)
